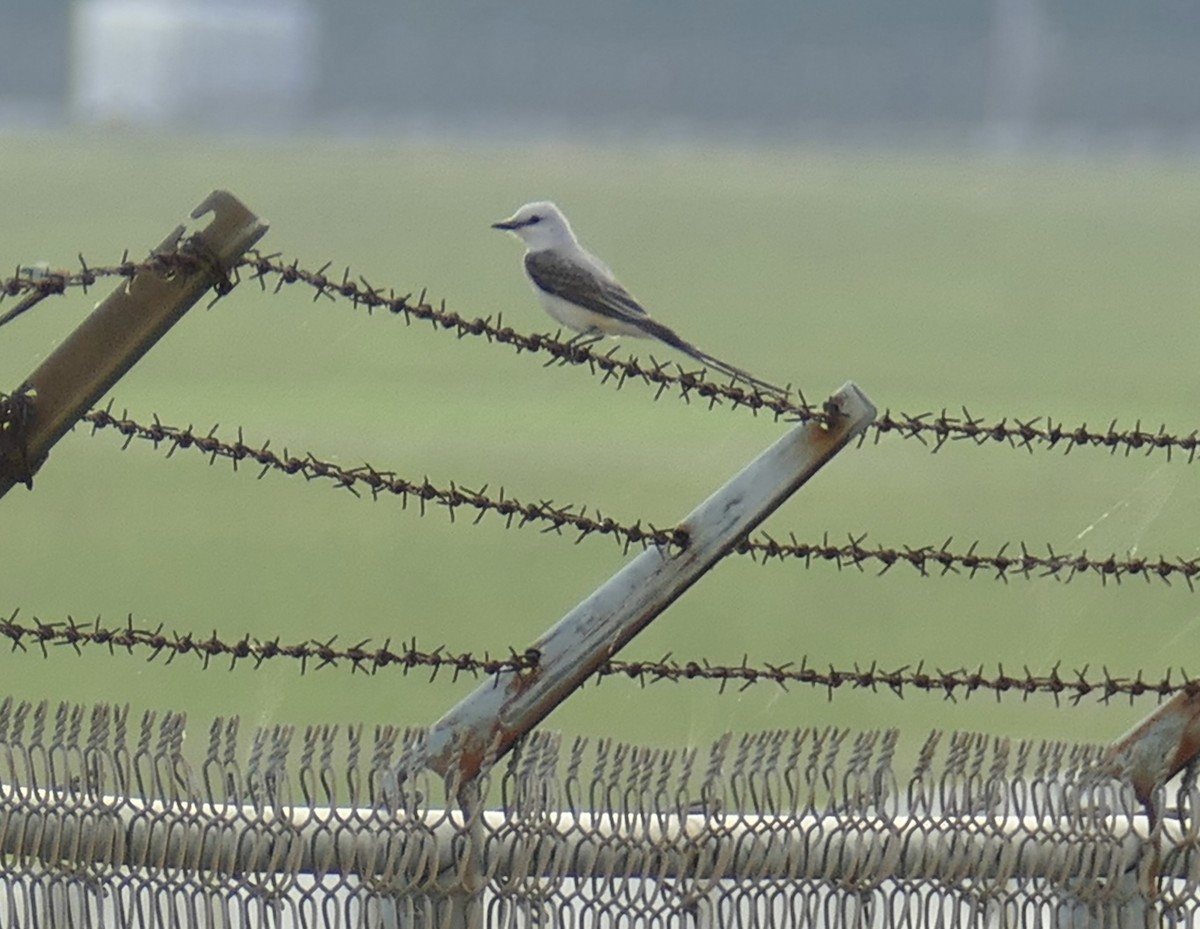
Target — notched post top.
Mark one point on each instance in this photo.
(121, 329)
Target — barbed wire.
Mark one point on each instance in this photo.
(937, 429)
(927, 560)
(317, 654)
(376, 483)
(933, 429)
(35, 285)
(930, 560)
(364, 656)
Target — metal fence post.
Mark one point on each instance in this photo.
(122, 328)
(486, 724)
(503, 709)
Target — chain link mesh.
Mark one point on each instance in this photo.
(104, 821)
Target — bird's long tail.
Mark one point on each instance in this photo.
(665, 334)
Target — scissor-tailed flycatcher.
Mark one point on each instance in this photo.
(581, 293)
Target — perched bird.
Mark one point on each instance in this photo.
(579, 291)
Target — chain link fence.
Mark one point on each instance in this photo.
(103, 822)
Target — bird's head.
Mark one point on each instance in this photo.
(539, 225)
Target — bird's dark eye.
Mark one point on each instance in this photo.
(534, 219)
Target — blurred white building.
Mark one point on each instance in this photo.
(203, 63)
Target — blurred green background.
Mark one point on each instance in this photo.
(1018, 288)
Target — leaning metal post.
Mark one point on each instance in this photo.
(505, 708)
(484, 726)
(122, 328)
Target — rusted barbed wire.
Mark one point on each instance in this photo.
(361, 656)
(934, 429)
(941, 559)
(937, 429)
(34, 284)
(925, 559)
(362, 294)
(366, 657)
(551, 517)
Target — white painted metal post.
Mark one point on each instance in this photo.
(506, 707)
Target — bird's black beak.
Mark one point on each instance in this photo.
(507, 225)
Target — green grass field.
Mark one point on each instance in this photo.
(1018, 289)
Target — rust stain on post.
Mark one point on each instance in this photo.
(1149, 755)
(1157, 748)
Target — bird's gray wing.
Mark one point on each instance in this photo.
(578, 284)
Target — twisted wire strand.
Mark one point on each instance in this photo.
(1010, 560)
(934, 429)
(157, 643)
